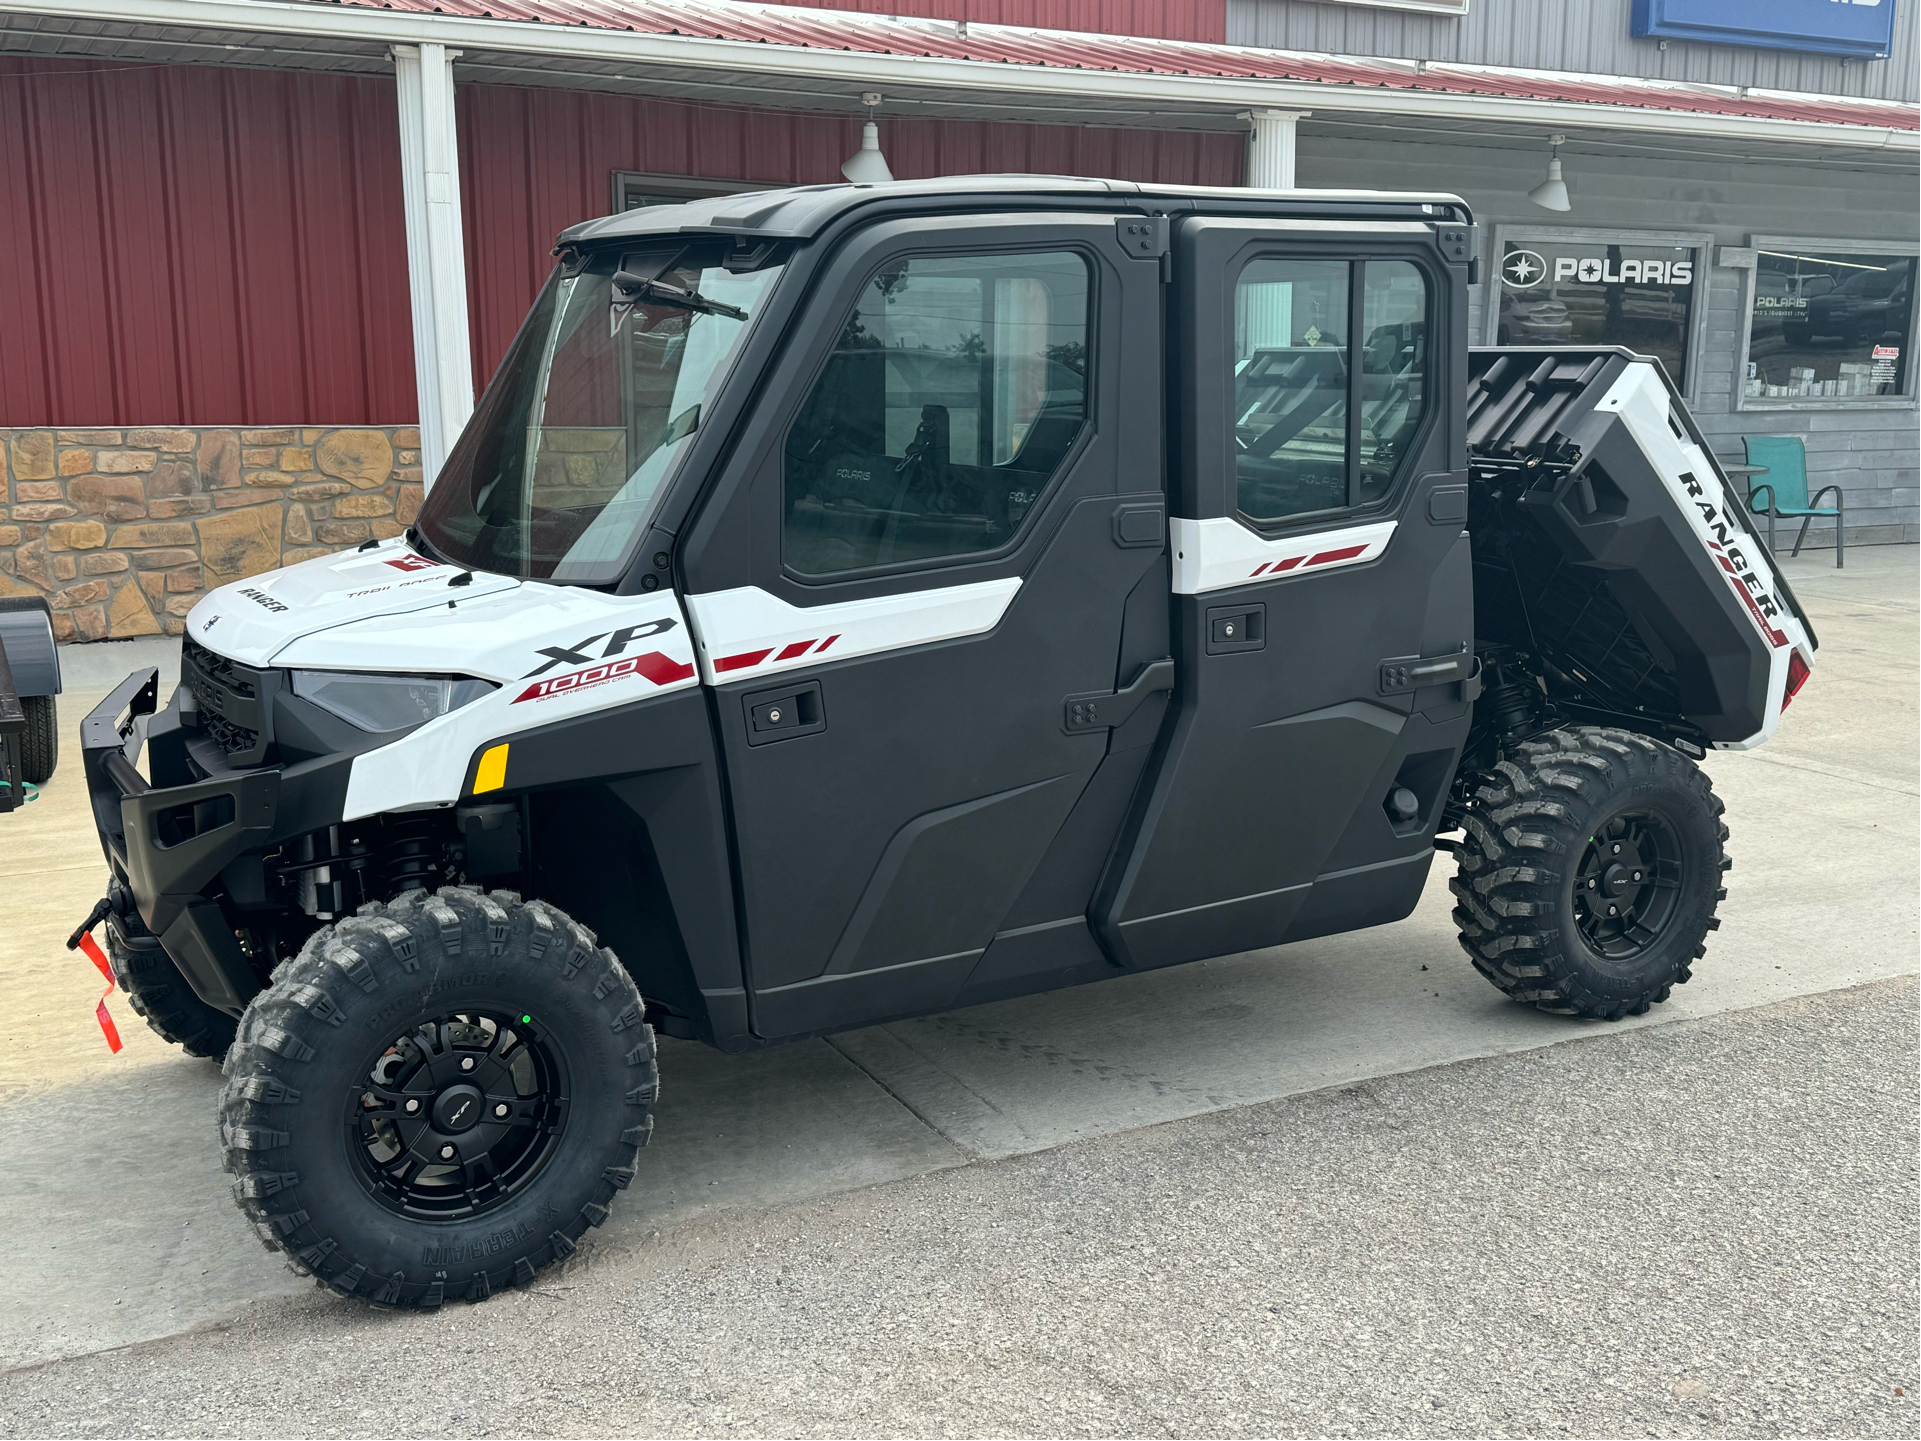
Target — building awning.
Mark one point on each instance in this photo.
(791, 57)
(844, 31)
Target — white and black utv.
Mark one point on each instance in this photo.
(857, 601)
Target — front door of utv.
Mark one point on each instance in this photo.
(939, 552)
(1323, 607)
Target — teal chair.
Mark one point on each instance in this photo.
(1785, 463)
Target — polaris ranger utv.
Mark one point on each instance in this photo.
(855, 601)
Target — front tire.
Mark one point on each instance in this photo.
(1590, 873)
(438, 1097)
(160, 995)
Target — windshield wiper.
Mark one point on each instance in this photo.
(661, 293)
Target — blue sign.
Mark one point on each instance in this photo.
(1832, 27)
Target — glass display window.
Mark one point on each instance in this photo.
(1827, 322)
(1574, 287)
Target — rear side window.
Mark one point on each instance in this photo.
(1321, 423)
(955, 390)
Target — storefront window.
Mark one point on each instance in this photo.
(636, 190)
(1829, 325)
(1556, 291)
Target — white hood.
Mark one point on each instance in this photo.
(555, 651)
(253, 620)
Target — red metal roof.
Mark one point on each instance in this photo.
(1077, 50)
(1169, 19)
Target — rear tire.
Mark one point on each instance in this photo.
(438, 1097)
(160, 995)
(40, 742)
(1590, 874)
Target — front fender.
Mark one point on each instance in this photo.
(627, 833)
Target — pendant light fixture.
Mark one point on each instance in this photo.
(1551, 193)
(867, 166)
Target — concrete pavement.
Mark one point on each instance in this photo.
(122, 1229)
(1700, 1229)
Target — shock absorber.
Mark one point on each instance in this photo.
(1509, 699)
(413, 852)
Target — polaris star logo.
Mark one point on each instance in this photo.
(1523, 268)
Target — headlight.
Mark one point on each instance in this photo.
(387, 702)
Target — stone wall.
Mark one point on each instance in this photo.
(124, 530)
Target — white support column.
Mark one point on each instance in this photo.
(1270, 158)
(436, 254)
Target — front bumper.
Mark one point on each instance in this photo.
(176, 849)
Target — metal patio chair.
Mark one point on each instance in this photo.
(1784, 460)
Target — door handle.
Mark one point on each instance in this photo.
(1411, 672)
(789, 710)
(1103, 710)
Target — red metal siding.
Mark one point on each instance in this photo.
(1156, 19)
(201, 246)
(191, 245)
(514, 207)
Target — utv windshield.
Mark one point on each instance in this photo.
(590, 412)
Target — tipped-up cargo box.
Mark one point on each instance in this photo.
(1612, 555)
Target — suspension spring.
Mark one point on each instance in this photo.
(413, 853)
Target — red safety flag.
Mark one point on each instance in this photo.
(107, 1028)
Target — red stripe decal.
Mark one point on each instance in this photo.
(1288, 564)
(1328, 557)
(788, 652)
(662, 669)
(743, 660)
(1261, 567)
(1775, 638)
(658, 668)
(829, 641)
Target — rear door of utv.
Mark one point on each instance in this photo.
(1323, 588)
(943, 523)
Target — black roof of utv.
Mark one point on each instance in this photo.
(802, 211)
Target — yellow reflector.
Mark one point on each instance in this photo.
(491, 773)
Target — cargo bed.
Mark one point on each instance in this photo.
(1612, 553)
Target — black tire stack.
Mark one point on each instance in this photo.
(40, 742)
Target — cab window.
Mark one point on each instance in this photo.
(954, 392)
(1322, 423)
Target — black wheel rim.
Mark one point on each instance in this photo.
(457, 1114)
(1628, 885)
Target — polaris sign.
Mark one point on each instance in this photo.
(1832, 27)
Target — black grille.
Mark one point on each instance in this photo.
(233, 739)
(217, 668)
(229, 698)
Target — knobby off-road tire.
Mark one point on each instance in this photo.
(40, 741)
(160, 995)
(1590, 873)
(454, 1022)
